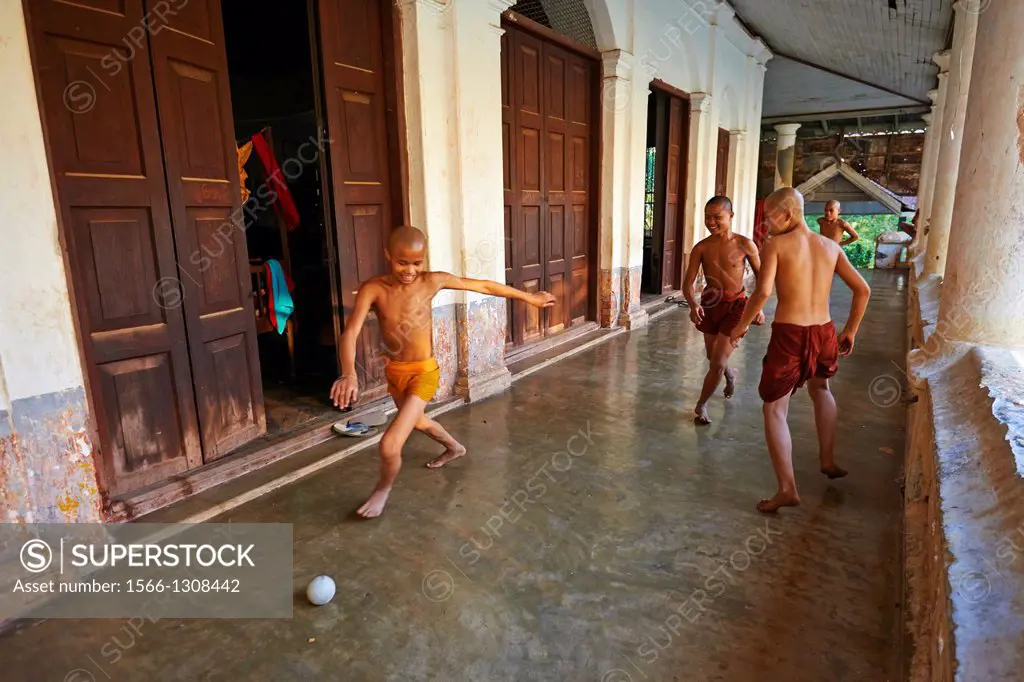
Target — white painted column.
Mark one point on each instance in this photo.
(456, 177)
(950, 137)
(982, 298)
(618, 104)
(49, 469)
(432, 150)
(696, 171)
(920, 239)
(754, 142)
(928, 173)
(737, 171)
(785, 153)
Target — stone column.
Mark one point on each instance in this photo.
(696, 171)
(619, 298)
(785, 153)
(950, 137)
(928, 174)
(982, 298)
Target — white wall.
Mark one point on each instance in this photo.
(38, 346)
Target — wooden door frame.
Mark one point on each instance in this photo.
(510, 18)
(397, 141)
(682, 257)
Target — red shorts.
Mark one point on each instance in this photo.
(795, 354)
(722, 312)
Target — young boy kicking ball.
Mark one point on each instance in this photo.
(722, 257)
(402, 302)
(804, 347)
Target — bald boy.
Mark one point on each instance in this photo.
(833, 227)
(402, 301)
(804, 346)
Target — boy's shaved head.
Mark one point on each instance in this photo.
(783, 208)
(724, 202)
(407, 237)
(785, 198)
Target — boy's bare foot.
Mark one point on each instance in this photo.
(701, 415)
(374, 506)
(730, 382)
(446, 456)
(780, 500)
(834, 471)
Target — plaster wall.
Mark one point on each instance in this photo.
(46, 468)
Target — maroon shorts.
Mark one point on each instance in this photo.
(795, 354)
(721, 312)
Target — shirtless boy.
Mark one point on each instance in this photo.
(804, 347)
(833, 227)
(402, 302)
(722, 257)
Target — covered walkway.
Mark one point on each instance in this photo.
(603, 572)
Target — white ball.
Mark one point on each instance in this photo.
(320, 590)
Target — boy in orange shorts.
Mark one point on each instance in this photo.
(402, 301)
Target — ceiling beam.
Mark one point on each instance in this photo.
(839, 115)
(847, 76)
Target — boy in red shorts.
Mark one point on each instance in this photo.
(722, 257)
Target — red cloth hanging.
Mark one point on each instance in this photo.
(760, 226)
(284, 205)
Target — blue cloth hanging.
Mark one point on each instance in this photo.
(282, 300)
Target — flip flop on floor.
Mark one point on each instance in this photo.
(354, 429)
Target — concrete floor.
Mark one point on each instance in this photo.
(595, 580)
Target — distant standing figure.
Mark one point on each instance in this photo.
(833, 227)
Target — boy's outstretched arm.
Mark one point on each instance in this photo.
(540, 299)
(765, 285)
(346, 389)
(861, 295)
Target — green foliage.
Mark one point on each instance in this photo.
(862, 252)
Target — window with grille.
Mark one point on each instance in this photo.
(649, 195)
(568, 17)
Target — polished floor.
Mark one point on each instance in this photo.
(640, 556)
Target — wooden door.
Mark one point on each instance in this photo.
(197, 130)
(527, 192)
(548, 137)
(100, 121)
(355, 91)
(580, 94)
(675, 192)
(722, 167)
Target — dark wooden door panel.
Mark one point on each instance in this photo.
(581, 135)
(722, 167)
(197, 130)
(547, 122)
(100, 119)
(675, 173)
(353, 68)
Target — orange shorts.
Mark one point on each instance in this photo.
(420, 378)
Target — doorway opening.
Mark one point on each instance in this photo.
(665, 192)
(273, 96)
